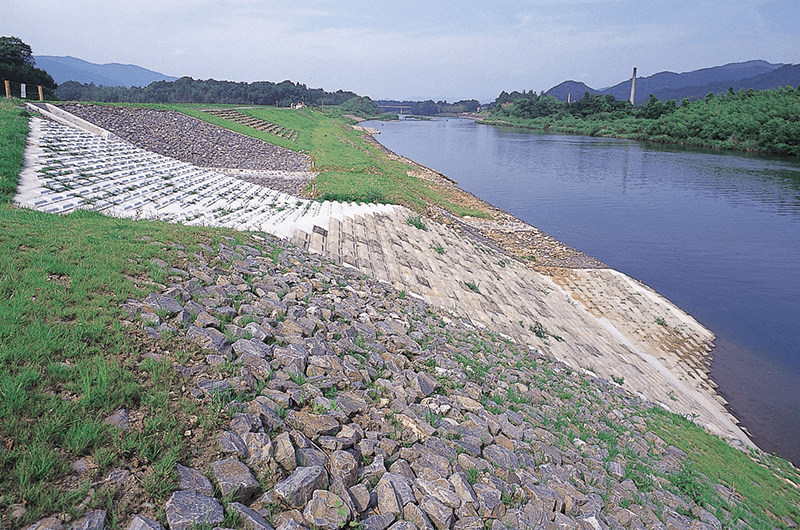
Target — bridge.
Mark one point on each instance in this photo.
(385, 108)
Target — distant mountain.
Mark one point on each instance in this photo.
(573, 89)
(788, 75)
(757, 74)
(72, 69)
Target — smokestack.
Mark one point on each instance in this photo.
(633, 86)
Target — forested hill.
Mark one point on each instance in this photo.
(189, 90)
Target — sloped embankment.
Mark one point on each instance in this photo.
(350, 402)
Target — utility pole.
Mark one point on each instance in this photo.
(633, 86)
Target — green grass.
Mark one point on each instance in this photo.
(66, 361)
(769, 486)
(13, 134)
(350, 168)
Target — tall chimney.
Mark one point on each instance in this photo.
(633, 86)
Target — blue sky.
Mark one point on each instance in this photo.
(412, 49)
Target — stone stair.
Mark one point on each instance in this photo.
(256, 123)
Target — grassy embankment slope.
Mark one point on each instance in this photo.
(350, 169)
(66, 362)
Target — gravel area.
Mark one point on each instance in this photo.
(188, 139)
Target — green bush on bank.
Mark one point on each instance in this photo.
(765, 121)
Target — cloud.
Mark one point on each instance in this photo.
(471, 49)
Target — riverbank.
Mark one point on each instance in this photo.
(297, 384)
(656, 334)
(714, 232)
(611, 324)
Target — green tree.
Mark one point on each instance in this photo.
(17, 65)
(15, 52)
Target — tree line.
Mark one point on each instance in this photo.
(189, 90)
(761, 121)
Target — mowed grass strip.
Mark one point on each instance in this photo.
(350, 168)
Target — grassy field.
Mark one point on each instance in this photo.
(66, 362)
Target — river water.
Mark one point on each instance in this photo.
(716, 233)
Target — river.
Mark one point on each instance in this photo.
(717, 233)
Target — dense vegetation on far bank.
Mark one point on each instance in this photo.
(765, 121)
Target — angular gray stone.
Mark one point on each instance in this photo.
(49, 523)
(165, 303)
(313, 425)
(210, 339)
(445, 495)
(243, 422)
(361, 497)
(440, 515)
(93, 520)
(261, 407)
(191, 479)
(377, 522)
(403, 525)
(143, 523)
(188, 509)
(119, 419)
(401, 467)
(326, 511)
(309, 456)
(284, 452)
(231, 443)
(291, 357)
(252, 347)
(250, 519)
(617, 471)
(234, 479)
(299, 487)
(489, 500)
(259, 446)
(394, 492)
(206, 320)
(500, 456)
(344, 468)
(462, 488)
(469, 523)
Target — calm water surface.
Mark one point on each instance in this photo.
(716, 233)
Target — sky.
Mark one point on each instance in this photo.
(414, 49)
